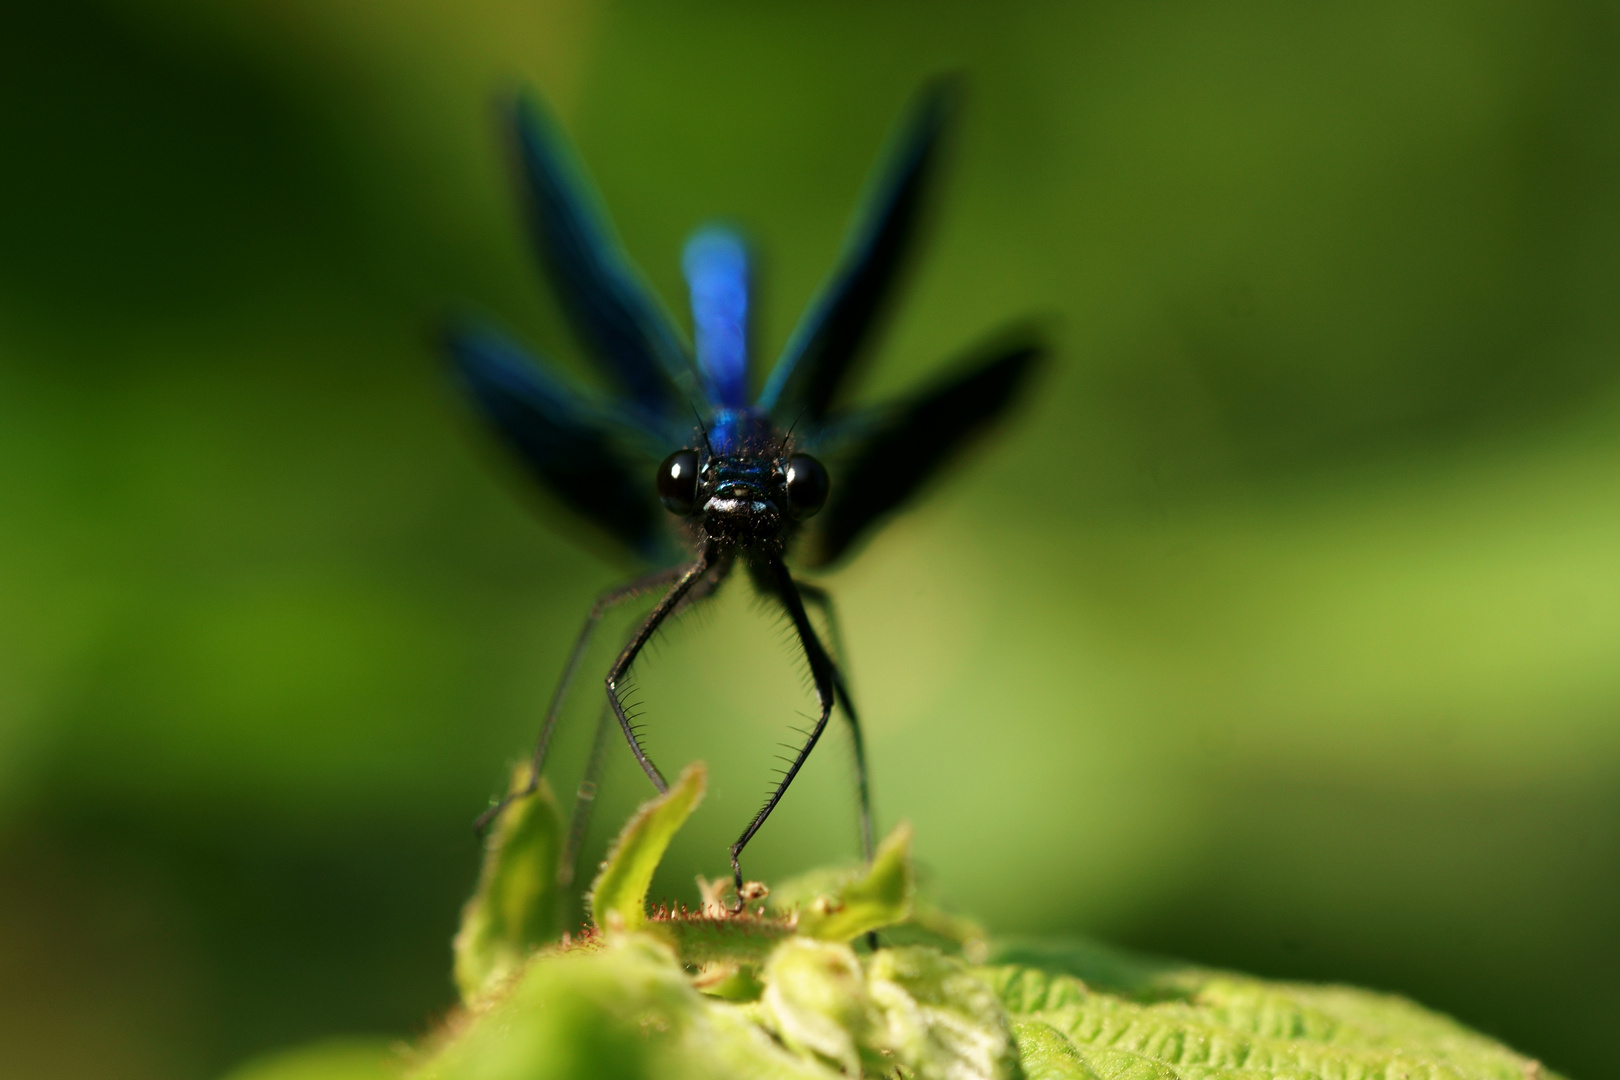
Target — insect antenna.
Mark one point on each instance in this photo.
(789, 433)
(701, 427)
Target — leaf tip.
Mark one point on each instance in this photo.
(618, 896)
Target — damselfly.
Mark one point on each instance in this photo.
(742, 479)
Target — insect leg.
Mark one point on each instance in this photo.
(825, 677)
(579, 819)
(689, 576)
(820, 597)
(585, 796)
(604, 603)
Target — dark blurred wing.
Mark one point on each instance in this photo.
(716, 266)
(892, 452)
(611, 307)
(581, 454)
(827, 341)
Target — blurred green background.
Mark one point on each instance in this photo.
(1280, 630)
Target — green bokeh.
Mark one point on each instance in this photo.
(1280, 631)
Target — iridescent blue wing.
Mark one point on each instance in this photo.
(612, 309)
(597, 461)
(826, 343)
(881, 456)
(717, 277)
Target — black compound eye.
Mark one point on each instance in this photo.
(807, 485)
(677, 482)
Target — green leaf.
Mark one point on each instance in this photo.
(816, 1001)
(619, 894)
(621, 1008)
(785, 997)
(741, 939)
(514, 908)
(881, 896)
(335, 1059)
(624, 1006)
(1046, 1054)
(909, 1006)
(1081, 1010)
(940, 1019)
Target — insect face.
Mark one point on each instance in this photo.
(743, 499)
